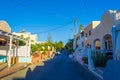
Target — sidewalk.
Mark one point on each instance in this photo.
(3, 66)
(98, 72)
(5, 71)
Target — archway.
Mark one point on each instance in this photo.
(107, 42)
(97, 44)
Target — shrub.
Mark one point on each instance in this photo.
(100, 60)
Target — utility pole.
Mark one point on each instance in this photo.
(71, 32)
(49, 39)
(75, 32)
(75, 22)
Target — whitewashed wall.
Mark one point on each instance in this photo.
(4, 50)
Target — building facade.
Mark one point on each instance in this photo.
(88, 33)
(6, 28)
(101, 36)
(98, 34)
(10, 51)
(27, 35)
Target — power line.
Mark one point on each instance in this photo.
(75, 20)
(61, 26)
(39, 10)
(42, 11)
(53, 29)
(56, 28)
(82, 8)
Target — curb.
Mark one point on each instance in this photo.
(99, 76)
(91, 74)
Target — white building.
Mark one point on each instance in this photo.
(98, 34)
(23, 34)
(10, 51)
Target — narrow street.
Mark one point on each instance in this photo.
(59, 68)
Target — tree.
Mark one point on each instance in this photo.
(69, 46)
(32, 40)
(49, 38)
(33, 48)
(39, 47)
(22, 36)
(22, 43)
(81, 28)
(22, 31)
(60, 44)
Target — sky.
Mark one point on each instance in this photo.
(54, 17)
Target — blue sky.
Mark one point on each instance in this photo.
(38, 16)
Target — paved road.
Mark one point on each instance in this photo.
(59, 68)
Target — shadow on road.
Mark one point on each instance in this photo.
(59, 68)
(38, 70)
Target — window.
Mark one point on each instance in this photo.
(90, 46)
(89, 33)
(82, 34)
(85, 34)
(82, 44)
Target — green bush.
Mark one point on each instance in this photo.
(100, 60)
(22, 43)
(44, 52)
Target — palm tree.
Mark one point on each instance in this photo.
(81, 28)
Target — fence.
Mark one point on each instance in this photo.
(19, 55)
